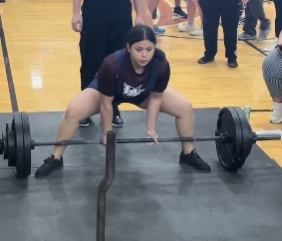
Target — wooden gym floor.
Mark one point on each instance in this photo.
(44, 59)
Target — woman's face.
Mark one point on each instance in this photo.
(141, 52)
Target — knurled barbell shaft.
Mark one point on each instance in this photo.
(137, 140)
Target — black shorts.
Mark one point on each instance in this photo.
(138, 100)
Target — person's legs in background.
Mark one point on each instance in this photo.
(249, 28)
(211, 16)
(265, 24)
(92, 51)
(278, 25)
(254, 12)
(152, 6)
(230, 12)
(177, 11)
(189, 25)
(118, 33)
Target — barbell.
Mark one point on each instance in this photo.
(233, 137)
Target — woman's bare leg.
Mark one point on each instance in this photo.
(87, 103)
(191, 10)
(152, 5)
(176, 105)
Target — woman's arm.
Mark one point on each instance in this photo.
(153, 109)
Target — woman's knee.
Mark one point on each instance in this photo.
(73, 112)
(185, 108)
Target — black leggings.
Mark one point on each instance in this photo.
(278, 18)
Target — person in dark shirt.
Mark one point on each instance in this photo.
(138, 74)
(103, 25)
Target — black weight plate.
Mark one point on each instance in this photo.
(248, 137)
(18, 129)
(6, 148)
(27, 143)
(12, 160)
(229, 152)
(2, 144)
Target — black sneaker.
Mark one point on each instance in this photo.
(264, 33)
(117, 119)
(194, 160)
(178, 12)
(232, 63)
(86, 122)
(205, 60)
(48, 166)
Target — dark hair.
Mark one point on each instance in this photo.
(139, 33)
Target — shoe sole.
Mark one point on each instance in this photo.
(179, 16)
(159, 34)
(268, 50)
(40, 176)
(84, 125)
(242, 39)
(117, 125)
(207, 62)
(187, 166)
(276, 122)
(232, 66)
(196, 34)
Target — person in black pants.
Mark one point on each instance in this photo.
(278, 24)
(254, 12)
(103, 26)
(229, 12)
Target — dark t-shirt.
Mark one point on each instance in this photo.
(133, 83)
(107, 11)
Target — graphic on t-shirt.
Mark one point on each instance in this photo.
(130, 92)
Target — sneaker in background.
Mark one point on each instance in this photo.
(186, 27)
(117, 119)
(264, 33)
(158, 30)
(271, 47)
(50, 164)
(232, 63)
(244, 36)
(197, 32)
(86, 122)
(194, 160)
(276, 116)
(205, 60)
(178, 12)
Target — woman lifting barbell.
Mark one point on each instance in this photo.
(139, 75)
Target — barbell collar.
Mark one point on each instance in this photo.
(136, 140)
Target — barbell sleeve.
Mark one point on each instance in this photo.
(266, 135)
(136, 140)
